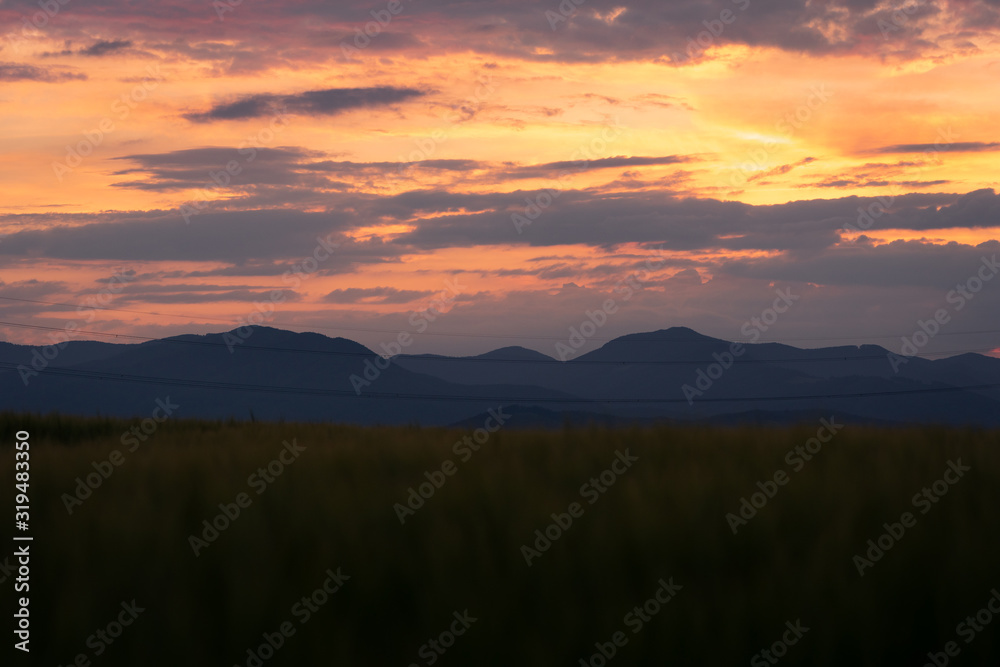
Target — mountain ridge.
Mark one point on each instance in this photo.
(673, 374)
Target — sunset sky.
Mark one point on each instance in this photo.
(522, 159)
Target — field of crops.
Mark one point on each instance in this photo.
(290, 544)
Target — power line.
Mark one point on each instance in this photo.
(395, 332)
(338, 353)
(233, 386)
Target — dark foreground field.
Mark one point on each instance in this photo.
(330, 511)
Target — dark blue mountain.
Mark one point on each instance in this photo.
(674, 374)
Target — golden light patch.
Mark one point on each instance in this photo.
(384, 232)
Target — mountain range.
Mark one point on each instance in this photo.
(673, 375)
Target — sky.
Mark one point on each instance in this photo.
(484, 174)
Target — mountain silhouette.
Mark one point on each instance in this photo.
(673, 374)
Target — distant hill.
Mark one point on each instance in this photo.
(274, 374)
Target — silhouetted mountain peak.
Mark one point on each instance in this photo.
(664, 344)
(671, 335)
(510, 353)
(674, 373)
(261, 336)
(515, 353)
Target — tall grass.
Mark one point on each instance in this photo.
(663, 518)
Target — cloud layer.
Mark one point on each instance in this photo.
(327, 102)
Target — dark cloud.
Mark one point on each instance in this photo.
(943, 147)
(347, 166)
(182, 296)
(673, 33)
(909, 263)
(246, 168)
(211, 156)
(553, 169)
(119, 276)
(277, 234)
(310, 171)
(326, 102)
(607, 219)
(853, 183)
(33, 288)
(19, 72)
(104, 47)
(832, 183)
(262, 238)
(921, 184)
(95, 50)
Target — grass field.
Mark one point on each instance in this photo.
(663, 517)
